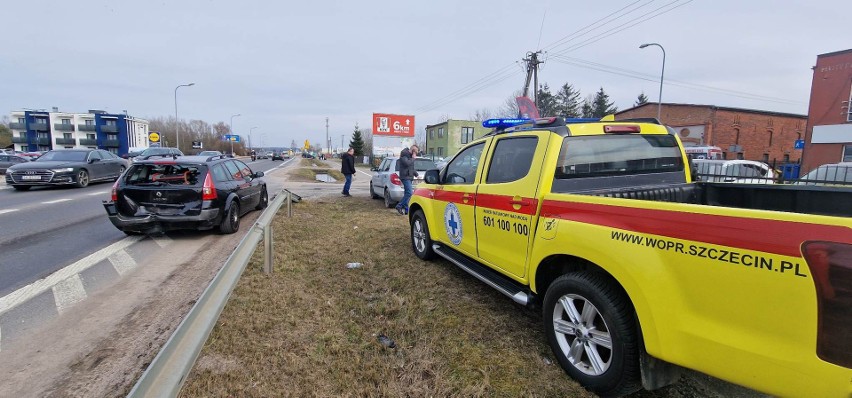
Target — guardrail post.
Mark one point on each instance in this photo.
(289, 204)
(267, 249)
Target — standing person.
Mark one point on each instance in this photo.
(347, 167)
(406, 171)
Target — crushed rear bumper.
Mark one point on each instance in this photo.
(155, 223)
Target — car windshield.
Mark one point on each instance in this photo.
(208, 153)
(67, 156)
(424, 164)
(164, 174)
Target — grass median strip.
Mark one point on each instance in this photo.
(315, 326)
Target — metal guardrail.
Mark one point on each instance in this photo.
(169, 369)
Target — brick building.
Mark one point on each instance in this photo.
(828, 138)
(740, 133)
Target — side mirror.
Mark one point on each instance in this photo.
(257, 174)
(432, 177)
(374, 169)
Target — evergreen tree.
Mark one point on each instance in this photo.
(357, 142)
(601, 106)
(587, 110)
(5, 136)
(568, 100)
(641, 100)
(546, 102)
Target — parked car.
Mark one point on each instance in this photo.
(189, 192)
(66, 167)
(385, 183)
(829, 174)
(209, 153)
(736, 171)
(158, 151)
(9, 160)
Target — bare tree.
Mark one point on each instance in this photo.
(482, 114)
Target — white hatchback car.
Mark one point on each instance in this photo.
(386, 184)
(737, 171)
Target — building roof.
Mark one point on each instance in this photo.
(835, 53)
(721, 108)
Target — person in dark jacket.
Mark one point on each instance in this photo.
(347, 167)
(406, 171)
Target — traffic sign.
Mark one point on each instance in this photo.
(232, 138)
(800, 144)
(196, 145)
(307, 145)
(154, 136)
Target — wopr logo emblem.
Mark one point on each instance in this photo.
(453, 223)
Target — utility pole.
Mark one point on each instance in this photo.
(532, 74)
(341, 141)
(327, 141)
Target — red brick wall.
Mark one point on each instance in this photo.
(726, 127)
(830, 88)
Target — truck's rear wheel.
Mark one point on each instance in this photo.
(591, 329)
(421, 243)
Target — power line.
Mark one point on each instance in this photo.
(465, 88)
(472, 89)
(599, 24)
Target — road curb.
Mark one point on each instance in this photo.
(34, 304)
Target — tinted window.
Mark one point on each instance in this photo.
(386, 165)
(608, 155)
(219, 173)
(233, 171)
(68, 156)
(4, 158)
(511, 160)
(244, 169)
(462, 169)
(94, 155)
(160, 174)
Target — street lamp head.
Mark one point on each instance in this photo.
(644, 45)
(190, 84)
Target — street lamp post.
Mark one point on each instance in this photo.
(660, 100)
(250, 130)
(231, 129)
(177, 124)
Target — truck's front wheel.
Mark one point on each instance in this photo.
(590, 328)
(421, 243)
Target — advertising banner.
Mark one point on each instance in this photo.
(393, 125)
(691, 135)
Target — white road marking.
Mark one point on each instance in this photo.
(122, 262)
(50, 202)
(69, 292)
(97, 193)
(28, 292)
(7, 211)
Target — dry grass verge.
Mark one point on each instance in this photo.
(307, 174)
(311, 328)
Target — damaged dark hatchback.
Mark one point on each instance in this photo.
(186, 192)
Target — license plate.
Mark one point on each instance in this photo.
(31, 177)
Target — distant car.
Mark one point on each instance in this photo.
(66, 167)
(385, 183)
(277, 155)
(190, 192)
(736, 171)
(829, 174)
(158, 151)
(209, 153)
(9, 160)
(132, 154)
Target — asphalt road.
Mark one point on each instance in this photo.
(45, 229)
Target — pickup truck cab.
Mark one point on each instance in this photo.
(638, 270)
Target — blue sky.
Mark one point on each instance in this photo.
(286, 67)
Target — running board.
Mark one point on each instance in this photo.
(490, 277)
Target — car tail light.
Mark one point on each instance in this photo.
(115, 191)
(830, 264)
(621, 129)
(208, 191)
(395, 179)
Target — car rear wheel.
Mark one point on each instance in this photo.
(591, 329)
(231, 221)
(388, 201)
(21, 187)
(421, 243)
(82, 179)
(264, 200)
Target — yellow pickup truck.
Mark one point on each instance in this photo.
(639, 271)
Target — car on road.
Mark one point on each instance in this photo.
(9, 160)
(277, 155)
(158, 151)
(385, 183)
(209, 153)
(66, 167)
(190, 192)
(829, 174)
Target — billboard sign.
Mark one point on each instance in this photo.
(691, 135)
(393, 125)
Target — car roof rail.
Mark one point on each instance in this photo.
(214, 157)
(161, 155)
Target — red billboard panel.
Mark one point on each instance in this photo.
(393, 125)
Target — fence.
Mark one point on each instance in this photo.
(167, 372)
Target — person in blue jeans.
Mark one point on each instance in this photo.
(406, 171)
(347, 167)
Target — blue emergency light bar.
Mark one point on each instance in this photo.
(582, 120)
(505, 123)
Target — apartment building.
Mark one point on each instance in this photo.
(34, 130)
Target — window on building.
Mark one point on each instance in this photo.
(432, 133)
(847, 153)
(440, 151)
(43, 148)
(109, 122)
(40, 120)
(90, 136)
(66, 121)
(765, 158)
(22, 120)
(770, 138)
(740, 156)
(849, 106)
(90, 122)
(466, 135)
(786, 158)
(66, 135)
(441, 132)
(44, 135)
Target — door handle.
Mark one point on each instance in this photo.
(466, 197)
(517, 200)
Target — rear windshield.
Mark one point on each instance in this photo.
(165, 174)
(424, 165)
(618, 155)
